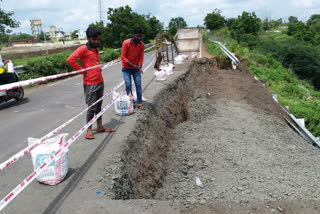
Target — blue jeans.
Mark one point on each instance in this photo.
(127, 72)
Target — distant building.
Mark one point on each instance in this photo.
(67, 36)
(81, 35)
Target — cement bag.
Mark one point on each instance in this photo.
(179, 59)
(160, 75)
(168, 69)
(123, 104)
(57, 170)
(194, 55)
(134, 94)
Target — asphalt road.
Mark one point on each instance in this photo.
(43, 109)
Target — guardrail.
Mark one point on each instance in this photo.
(227, 52)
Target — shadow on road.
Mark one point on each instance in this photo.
(13, 103)
(80, 172)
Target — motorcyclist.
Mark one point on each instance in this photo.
(5, 77)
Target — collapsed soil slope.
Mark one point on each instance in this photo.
(223, 127)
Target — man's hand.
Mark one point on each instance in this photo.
(140, 69)
(6, 61)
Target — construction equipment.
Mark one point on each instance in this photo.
(163, 42)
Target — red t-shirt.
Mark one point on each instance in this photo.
(89, 57)
(132, 53)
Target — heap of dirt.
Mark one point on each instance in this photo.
(222, 128)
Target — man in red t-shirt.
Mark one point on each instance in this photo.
(132, 53)
(92, 78)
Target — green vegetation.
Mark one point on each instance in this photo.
(6, 23)
(176, 23)
(20, 36)
(121, 23)
(214, 20)
(265, 63)
(55, 63)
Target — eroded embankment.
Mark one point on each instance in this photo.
(223, 127)
(145, 158)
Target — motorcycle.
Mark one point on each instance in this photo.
(17, 93)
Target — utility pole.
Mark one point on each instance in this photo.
(100, 10)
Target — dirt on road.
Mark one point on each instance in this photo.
(215, 141)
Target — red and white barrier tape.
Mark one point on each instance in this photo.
(47, 78)
(18, 189)
(25, 151)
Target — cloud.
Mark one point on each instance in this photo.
(74, 14)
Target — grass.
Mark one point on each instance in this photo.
(303, 100)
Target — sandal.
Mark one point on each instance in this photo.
(141, 107)
(88, 136)
(108, 130)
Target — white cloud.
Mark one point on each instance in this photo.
(303, 3)
(74, 14)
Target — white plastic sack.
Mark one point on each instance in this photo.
(168, 69)
(57, 170)
(160, 75)
(179, 59)
(123, 104)
(194, 55)
(10, 67)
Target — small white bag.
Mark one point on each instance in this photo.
(57, 170)
(123, 104)
(160, 75)
(10, 67)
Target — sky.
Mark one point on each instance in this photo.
(70, 15)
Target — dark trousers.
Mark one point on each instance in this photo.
(7, 78)
(92, 93)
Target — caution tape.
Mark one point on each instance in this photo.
(28, 149)
(52, 77)
(18, 189)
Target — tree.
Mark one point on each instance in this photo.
(229, 22)
(245, 28)
(6, 23)
(176, 23)
(266, 25)
(314, 21)
(276, 23)
(214, 20)
(43, 37)
(293, 20)
(155, 25)
(303, 32)
(20, 36)
(74, 34)
(121, 23)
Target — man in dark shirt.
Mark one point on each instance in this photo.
(132, 54)
(92, 79)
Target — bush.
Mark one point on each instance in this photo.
(47, 65)
(109, 55)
